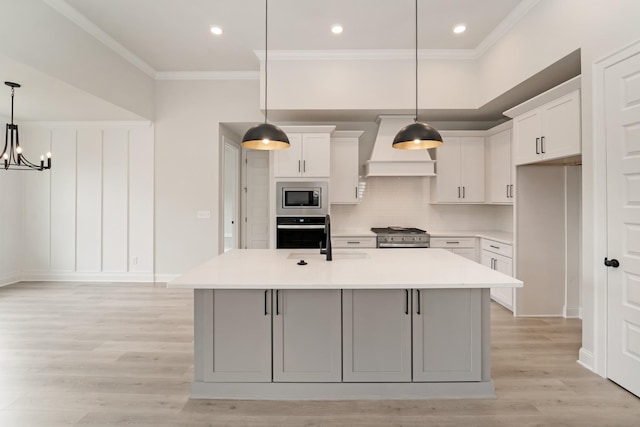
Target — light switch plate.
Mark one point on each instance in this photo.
(203, 215)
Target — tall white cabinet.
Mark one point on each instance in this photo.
(345, 167)
(500, 182)
(460, 170)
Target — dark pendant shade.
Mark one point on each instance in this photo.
(265, 136)
(417, 136)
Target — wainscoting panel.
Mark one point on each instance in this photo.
(91, 216)
(37, 202)
(89, 203)
(63, 200)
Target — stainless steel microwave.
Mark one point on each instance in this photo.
(302, 198)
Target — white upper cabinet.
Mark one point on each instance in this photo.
(345, 166)
(551, 131)
(308, 156)
(459, 170)
(500, 187)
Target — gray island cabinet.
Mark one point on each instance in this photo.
(369, 324)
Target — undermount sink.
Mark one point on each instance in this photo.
(336, 256)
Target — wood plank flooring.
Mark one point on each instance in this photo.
(74, 354)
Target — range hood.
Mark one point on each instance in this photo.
(388, 161)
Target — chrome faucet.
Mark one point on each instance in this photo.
(327, 234)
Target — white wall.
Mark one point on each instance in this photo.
(188, 117)
(371, 84)
(37, 35)
(91, 216)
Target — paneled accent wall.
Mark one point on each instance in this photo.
(91, 216)
(11, 185)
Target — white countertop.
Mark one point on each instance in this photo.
(350, 269)
(498, 236)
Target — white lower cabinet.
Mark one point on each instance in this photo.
(446, 335)
(353, 242)
(306, 336)
(498, 256)
(463, 246)
(377, 335)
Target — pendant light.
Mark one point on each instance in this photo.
(417, 136)
(265, 136)
(12, 157)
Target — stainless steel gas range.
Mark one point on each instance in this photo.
(401, 237)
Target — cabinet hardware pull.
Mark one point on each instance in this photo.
(537, 142)
(452, 243)
(493, 263)
(304, 166)
(507, 191)
(406, 301)
(356, 192)
(418, 312)
(277, 302)
(458, 192)
(494, 247)
(464, 192)
(299, 166)
(266, 312)
(542, 144)
(353, 243)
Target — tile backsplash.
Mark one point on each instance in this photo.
(404, 202)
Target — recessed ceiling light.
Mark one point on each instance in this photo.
(460, 28)
(336, 29)
(216, 30)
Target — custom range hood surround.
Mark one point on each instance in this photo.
(386, 161)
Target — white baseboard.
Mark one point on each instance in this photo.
(164, 278)
(9, 279)
(585, 358)
(571, 312)
(71, 276)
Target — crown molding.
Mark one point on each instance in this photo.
(207, 75)
(505, 25)
(83, 22)
(366, 54)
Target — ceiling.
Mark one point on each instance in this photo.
(174, 35)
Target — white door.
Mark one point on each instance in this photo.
(622, 98)
(256, 200)
(231, 195)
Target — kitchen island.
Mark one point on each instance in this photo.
(388, 324)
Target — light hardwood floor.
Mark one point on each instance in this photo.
(121, 354)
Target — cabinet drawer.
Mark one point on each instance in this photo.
(453, 242)
(497, 247)
(353, 242)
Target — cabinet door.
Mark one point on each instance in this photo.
(240, 331)
(527, 130)
(561, 127)
(376, 335)
(316, 155)
(287, 163)
(448, 171)
(307, 336)
(472, 169)
(499, 167)
(344, 170)
(503, 264)
(447, 335)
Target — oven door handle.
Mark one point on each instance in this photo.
(301, 227)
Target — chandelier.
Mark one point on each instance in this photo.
(12, 156)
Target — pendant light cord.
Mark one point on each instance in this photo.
(12, 92)
(416, 118)
(266, 55)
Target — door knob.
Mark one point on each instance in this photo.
(611, 263)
